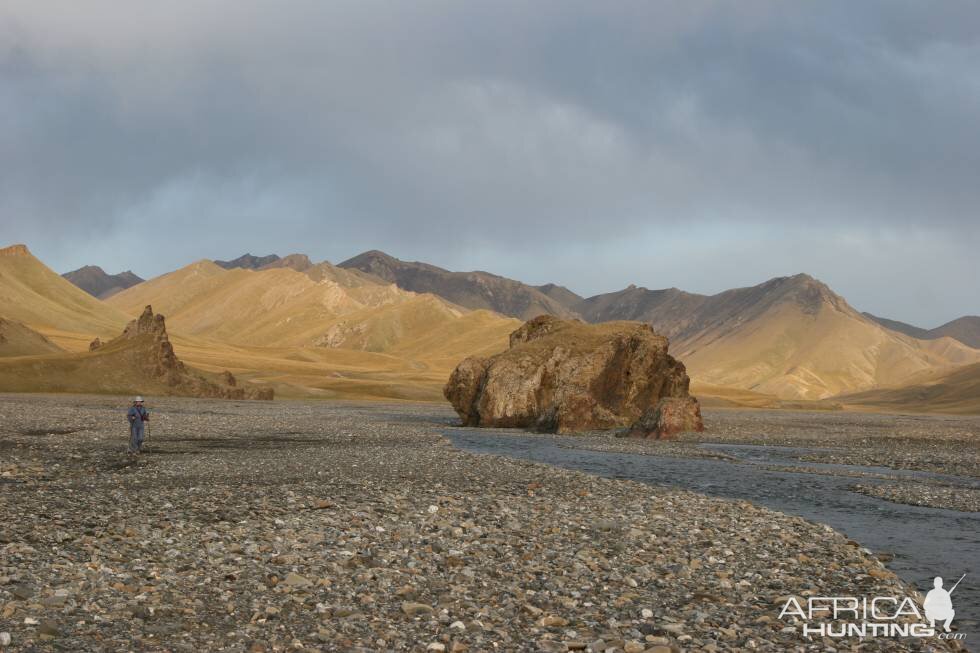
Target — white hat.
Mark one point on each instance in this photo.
(137, 398)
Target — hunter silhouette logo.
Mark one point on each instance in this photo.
(878, 616)
(938, 604)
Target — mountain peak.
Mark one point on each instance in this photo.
(808, 292)
(15, 250)
(248, 261)
(298, 262)
(372, 256)
(799, 280)
(94, 280)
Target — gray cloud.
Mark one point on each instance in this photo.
(699, 145)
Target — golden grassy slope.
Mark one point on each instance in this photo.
(35, 295)
(112, 369)
(325, 331)
(954, 392)
(390, 343)
(796, 354)
(323, 307)
(416, 370)
(17, 339)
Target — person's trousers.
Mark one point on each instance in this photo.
(135, 437)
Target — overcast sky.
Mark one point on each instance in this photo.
(593, 144)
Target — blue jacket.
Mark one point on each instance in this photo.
(137, 415)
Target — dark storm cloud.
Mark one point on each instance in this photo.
(700, 145)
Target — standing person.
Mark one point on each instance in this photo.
(137, 416)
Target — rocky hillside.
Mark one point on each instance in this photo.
(96, 282)
(670, 312)
(298, 262)
(561, 294)
(248, 262)
(468, 289)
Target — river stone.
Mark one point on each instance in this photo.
(415, 609)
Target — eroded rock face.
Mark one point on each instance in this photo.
(564, 376)
(154, 353)
(671, 415)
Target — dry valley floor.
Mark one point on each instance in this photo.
(255, 526)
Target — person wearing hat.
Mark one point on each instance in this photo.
(137, 416)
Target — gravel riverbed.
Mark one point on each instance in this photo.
(303, 526)
(925, 494)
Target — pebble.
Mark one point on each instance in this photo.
(415, 609)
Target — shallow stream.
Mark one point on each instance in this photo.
(925, 542)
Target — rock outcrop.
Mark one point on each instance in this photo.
(564, 376)
(15, 250)
(671, 415)
(148, 337)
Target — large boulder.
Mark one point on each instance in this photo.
(564, 376)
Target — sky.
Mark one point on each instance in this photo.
(699, 145)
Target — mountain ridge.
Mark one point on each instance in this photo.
(792, 337)
(247, 261)
(966, 329)
(474, 290)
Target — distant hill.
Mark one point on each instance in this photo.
(957, 392)
(560, 294)
(791, 337)
(476, 290)
(248, 262)
(671, 312)
(966, 329)
(298, 262)
(37, 296)
(96, 282)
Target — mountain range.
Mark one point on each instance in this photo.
(469, 289)
(377, 326)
